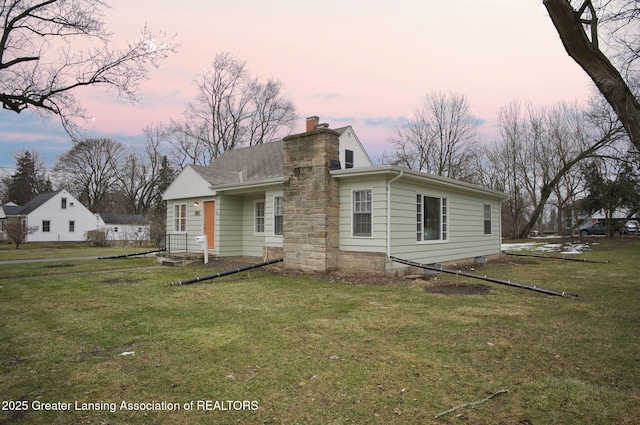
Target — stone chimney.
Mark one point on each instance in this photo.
(311, 200)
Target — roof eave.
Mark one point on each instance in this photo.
(394, 170)
(248, 186)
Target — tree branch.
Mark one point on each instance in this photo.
(601, 71)
(475, 403)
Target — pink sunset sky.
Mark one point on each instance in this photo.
(367, 63)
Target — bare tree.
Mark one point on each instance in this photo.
(143, 173)
(17, 230)
(541, 147)
(40, 70)
(438, 138)
(585, 50)
(90, 170)
(231, 109)
(508, 157)
(272, 113)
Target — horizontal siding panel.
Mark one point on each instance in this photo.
(376, 243)
(465, 217)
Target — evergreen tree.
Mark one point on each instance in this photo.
(610, 190)
(29, 180)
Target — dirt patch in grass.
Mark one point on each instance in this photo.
(14, 360)
(459, 289)
(56, 266)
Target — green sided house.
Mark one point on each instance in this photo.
(316, 200)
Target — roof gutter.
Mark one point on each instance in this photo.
(443, 182)
(401, 173)
(246, 186)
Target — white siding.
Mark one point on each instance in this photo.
(349, 140)
(59, 218)
(188, 185)
(127, 232)
(252, 242)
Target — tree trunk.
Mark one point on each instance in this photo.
(605, 76)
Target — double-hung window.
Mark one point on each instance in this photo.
(278, 216)
(431, 218)
(362, 202)
(46, 226)
(487, 219)
(259, 217)
(180, 218)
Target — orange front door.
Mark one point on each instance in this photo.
(209, 222)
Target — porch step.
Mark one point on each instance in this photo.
(172, 262)
(180, 260)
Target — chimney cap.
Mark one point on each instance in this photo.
(312, 122)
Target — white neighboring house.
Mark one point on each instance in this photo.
(121, 227)
(58, 215)
(3, 219)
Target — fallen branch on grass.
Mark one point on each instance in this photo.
(475, 403)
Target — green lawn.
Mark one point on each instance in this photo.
(263, 348)
(64, 249)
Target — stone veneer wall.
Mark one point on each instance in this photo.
(311, 201)
(363, 263)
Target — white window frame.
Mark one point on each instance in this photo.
(487, 219)
(63, 203)
(443, 219)
(354, 212)
(47, 228)
(259, 220)
(278, 215)
(180, 218)
(72, 226)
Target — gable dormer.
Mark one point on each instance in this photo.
(352, 153)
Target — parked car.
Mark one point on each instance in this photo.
(632, 227)
(598, 228)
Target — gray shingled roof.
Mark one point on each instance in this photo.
(257, 163)
(30, 206)
(124, 219)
